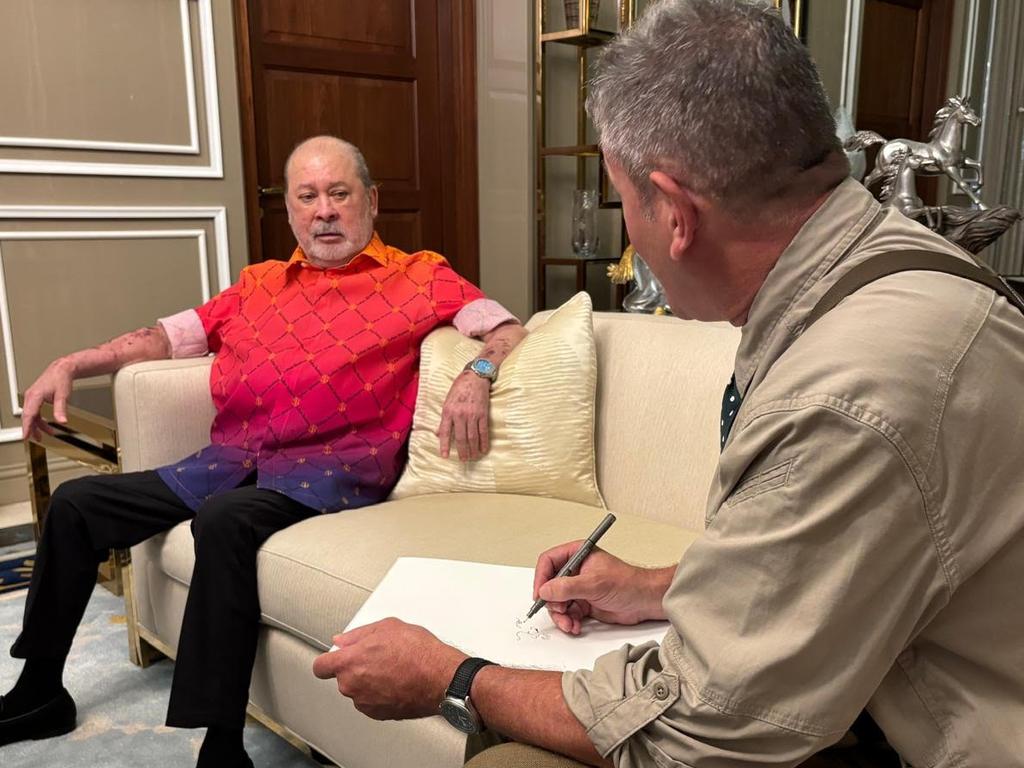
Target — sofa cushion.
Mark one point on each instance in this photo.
(542, 415)
(315, 575)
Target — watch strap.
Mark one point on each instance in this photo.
(462, 681)
(472, 366)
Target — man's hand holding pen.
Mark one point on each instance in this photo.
(606, 588)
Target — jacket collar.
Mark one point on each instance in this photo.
(792, 288)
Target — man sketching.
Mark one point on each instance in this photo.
(865, 544)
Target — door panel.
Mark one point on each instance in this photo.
(367, 25)
(369, 71)
(895, 44)
(904, 59)
(393, 151)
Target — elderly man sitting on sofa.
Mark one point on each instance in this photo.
(865, 528)
(314, 383)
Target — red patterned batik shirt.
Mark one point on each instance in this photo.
(315, 375)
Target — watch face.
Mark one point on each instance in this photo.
(484, 367)
(456, 713)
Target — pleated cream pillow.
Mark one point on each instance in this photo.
(542, 414)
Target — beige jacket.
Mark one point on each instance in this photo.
(865, 531)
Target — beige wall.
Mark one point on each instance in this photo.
(505, 144)
(826, 35)
(108, 107)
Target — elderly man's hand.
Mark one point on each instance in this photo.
(53, 386)
(465, 417)
(606, 588)
(391, 670)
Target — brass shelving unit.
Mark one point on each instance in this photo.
(582, 39)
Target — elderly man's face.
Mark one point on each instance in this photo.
(329, 209)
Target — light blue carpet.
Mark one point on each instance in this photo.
(121, 708)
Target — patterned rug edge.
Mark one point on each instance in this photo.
(16, 573)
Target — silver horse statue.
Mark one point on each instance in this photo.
(899, 189)
(941, 154)
(972, 229)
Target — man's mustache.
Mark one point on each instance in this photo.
(327, 231)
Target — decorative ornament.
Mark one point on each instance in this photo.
(900, 161)
(648, 296)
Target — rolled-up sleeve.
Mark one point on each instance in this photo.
(482, 316)
(626, 690)
(812, 577)
(186, 334)
(196, 332)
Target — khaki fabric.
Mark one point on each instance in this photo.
(865, 539)
(541, 415)
(513, 755)
(520, 756)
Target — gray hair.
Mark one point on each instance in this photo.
(720, 92)
(362, 170)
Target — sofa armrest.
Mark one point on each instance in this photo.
(163, 411)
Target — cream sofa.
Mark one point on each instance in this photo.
(658, 402)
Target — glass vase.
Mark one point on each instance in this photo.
(572, 13)
(584, 223)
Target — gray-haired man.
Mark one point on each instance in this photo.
(866, 543)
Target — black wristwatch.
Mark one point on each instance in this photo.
(456, 707)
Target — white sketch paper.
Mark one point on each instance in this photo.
(476, 607)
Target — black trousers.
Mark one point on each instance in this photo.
(217, 647)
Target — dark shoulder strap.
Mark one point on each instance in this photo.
(905, 261)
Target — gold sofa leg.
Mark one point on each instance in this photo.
(142, 650)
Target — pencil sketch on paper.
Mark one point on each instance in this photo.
(523, 632)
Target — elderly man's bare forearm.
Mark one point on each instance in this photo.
(54, 384)
(144, 344)
(528, 706)
(500, 342)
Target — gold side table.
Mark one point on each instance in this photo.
(89, 439)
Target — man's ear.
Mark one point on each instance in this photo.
(683, 210)
(373, 201)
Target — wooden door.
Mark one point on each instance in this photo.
(394, 77)
(904, 59)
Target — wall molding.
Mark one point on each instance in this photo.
(215, 167)
(192, 148)
(218, 215)
(969, 45)
(851, 57)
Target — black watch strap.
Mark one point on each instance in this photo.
(463, 679)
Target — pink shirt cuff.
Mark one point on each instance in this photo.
(481, 316)
(186, 332)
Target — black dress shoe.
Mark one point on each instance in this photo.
(54, 718)
(241, 760)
